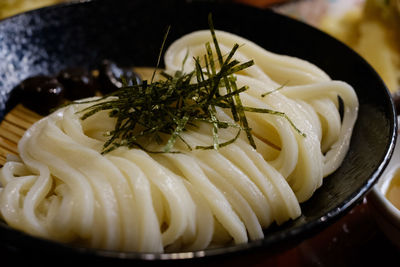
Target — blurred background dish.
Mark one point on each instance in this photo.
(370, 27)
(11, 7)
(384, 199)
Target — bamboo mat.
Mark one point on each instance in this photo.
(14, 125)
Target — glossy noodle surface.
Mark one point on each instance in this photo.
(61, 187)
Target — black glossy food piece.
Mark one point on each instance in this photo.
(110, 75)
(78, 83)
(41, 93)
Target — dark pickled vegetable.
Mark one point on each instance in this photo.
(78, 83)
(41, 94)
(110, 76)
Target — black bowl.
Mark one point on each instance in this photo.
(130, 32)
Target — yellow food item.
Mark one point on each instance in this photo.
(393, 192)
(372, 31)
(12, 7)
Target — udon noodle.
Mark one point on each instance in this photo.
(62, 188)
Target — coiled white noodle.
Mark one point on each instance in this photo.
(63, 188)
